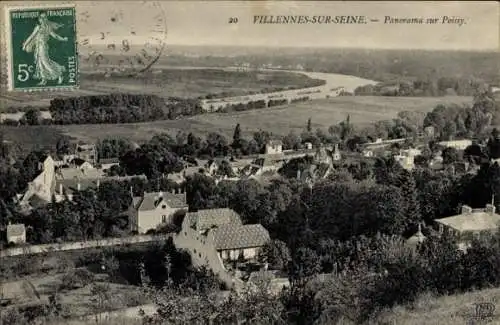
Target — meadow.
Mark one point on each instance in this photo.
(279, 121)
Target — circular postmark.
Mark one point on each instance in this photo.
(128, 38)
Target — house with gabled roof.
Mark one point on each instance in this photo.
(222, 231)
(156, 208)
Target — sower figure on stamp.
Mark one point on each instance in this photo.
(37, 42)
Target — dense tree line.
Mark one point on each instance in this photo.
(457, 121)
(418, 88)
(120, 108)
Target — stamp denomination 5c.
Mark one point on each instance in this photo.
(42, 47)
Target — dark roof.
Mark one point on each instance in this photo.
(205, 219)
(237, 236)
(151, 200)
(77, 161)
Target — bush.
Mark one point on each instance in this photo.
(12, 316)
(76, 278)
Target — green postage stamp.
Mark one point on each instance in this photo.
(41, 47)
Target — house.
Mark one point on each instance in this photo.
(406, 158)
(81, 164)
(267, 164)
(429, 131)
(456, 144)
(66, 188)
(156, 208)
(203, 220)
(314, 172)
(42, 186)
(236, 241)
(87, 152)
(222, 230)
(274, 147)
(336, 156)
(470, 223)
(81, 173)
(107, 163)
(213, 165)
(16, 233)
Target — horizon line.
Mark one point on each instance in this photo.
(326, 47)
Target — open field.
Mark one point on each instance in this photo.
(75, 302)
(187, 83)
(447, 310)
(277, 120)
(325, 112)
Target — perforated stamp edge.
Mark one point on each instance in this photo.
(7, 47)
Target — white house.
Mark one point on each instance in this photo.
(16, 233)
(274, 147)
(156, 208)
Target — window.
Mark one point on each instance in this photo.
(163, 218)
(164, 206)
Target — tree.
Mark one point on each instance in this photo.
(275, 253)
(32, 116)
(309, 125)
(450, 155)
(63, 146)
(237, 133)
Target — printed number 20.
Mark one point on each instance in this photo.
(23, 72)
(233, 20)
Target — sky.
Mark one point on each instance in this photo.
(207, 23)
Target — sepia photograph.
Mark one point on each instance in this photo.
(258, 162)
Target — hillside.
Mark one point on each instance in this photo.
(446, 310)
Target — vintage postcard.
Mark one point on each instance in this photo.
(249, 162)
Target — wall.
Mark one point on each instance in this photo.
(42, 184)
(273, 149)
(202, 251)
(151, 219)
(47, 248)
(234, 254)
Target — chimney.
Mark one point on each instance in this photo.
(466, 209)
(490, 208)
(61, 189)
(78, 186)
